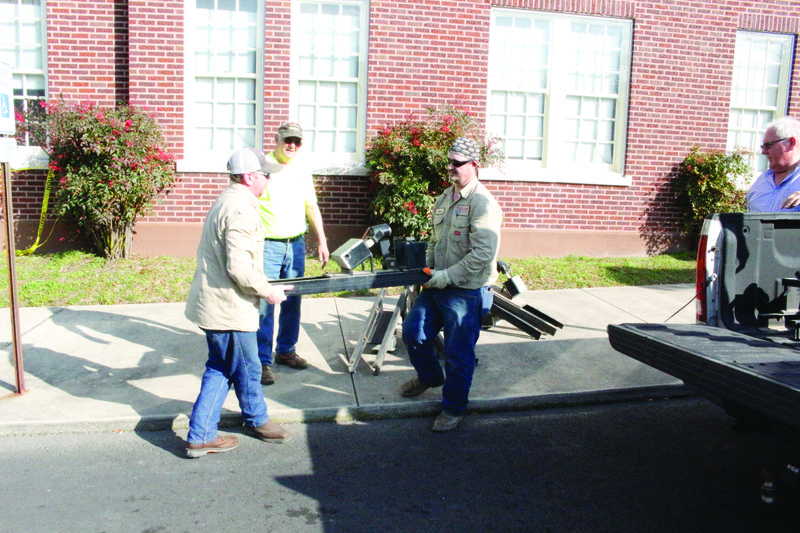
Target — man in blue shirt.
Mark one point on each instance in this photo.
(778, 187)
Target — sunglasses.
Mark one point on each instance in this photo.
(297, 141)
(458, 164)
(767, 146)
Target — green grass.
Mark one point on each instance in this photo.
(77, 278)
(574, 272)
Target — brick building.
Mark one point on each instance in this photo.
(596, 100)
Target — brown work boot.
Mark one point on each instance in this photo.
(292, 360)
(413, 387)
(445, 422)
(267, 377)
(219, 445)
(269, 432)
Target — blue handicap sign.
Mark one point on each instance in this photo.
(5, 106)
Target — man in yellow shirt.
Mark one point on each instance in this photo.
(286, 207)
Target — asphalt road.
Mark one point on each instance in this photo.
(660, 466)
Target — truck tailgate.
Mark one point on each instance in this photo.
(743, 374)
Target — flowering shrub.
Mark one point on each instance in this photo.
(408, 167)
(710, 182)
(109, 163)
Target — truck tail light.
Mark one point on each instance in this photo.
(700, 279)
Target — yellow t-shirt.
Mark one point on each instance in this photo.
(283, 204)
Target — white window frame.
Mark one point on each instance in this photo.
(326, 141)
(757, 98)
(555, 164)
(198, 157)
(26, 80)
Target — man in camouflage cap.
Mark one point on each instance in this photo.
(462, 254)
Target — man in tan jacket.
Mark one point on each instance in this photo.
(228, 285)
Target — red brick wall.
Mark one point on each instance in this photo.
(87, 50)
(156, 64)
(425, 54)
(277, 50)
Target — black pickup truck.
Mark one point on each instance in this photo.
(744, 352)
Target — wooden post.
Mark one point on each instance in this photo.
(12, 279)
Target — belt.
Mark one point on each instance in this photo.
(286, 239)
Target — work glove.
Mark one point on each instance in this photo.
(439, 280)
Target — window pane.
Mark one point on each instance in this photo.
(348, 142)
(594, 72)
(518, 119)
(224, 90)
(224, 138)
(759, 91)
(224, 114)
(204, 88)
(247, 138)
(348, 119)
(245, 115)
(308, 115)
(205, 113)
(225, 35)
(22, 45)
(328, 52)
(558, 86)
(246, 90)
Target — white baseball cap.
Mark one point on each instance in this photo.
(251, 160)
(243, 161)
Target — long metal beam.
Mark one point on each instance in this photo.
(528, 319)
(358, 280)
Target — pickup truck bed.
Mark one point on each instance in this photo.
(757, 381)
(744, 353)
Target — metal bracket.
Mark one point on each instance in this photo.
(381, 325)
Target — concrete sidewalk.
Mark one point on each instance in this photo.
(138, 367)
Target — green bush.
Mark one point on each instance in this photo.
(710, 182)
(109, 164)
(408, 167)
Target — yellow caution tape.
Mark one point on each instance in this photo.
(42, 218)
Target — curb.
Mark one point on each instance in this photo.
(406, 409)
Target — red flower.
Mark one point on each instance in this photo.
(415, 142)
(445, 128)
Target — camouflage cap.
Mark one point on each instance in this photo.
(466, 147)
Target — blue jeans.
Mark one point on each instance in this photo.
(281, 261)
(232, 359)
(456, 312)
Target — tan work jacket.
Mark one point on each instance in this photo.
(229, 280)
(466, 236)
